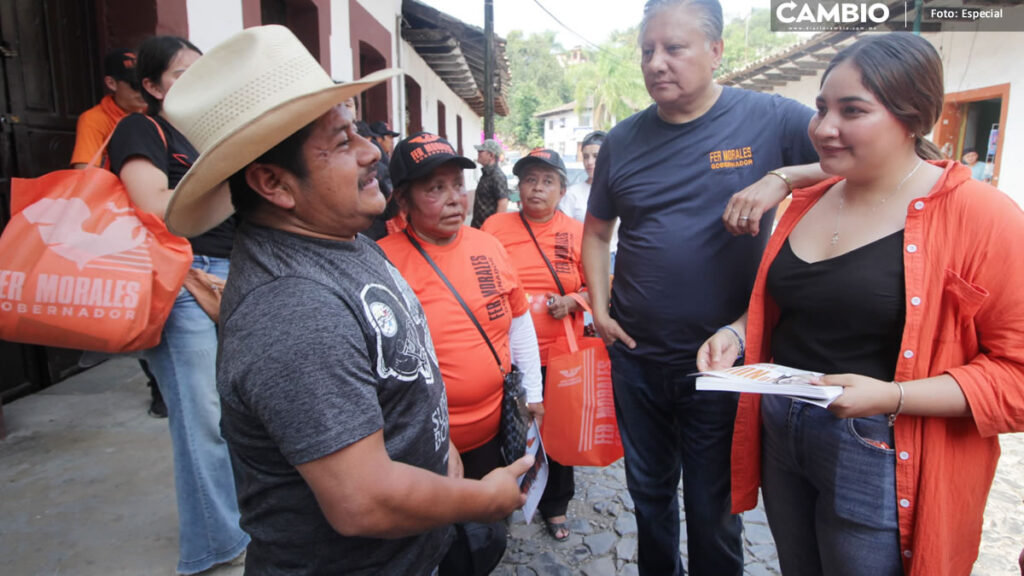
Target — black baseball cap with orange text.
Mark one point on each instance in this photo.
(419, 155)
(120, 65)
(545, 156)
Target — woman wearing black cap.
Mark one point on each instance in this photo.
(429, 188)
(545, 246)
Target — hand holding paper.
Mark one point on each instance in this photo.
(770, 379)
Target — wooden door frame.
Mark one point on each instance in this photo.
(962, 99)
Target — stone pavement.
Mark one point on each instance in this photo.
(87, 489)
(86, 482)
(603, 542)
(603, 539)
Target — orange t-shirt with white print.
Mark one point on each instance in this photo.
(561, 238)
(479, 269)
(94, 125)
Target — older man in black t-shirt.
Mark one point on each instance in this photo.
(668, 173)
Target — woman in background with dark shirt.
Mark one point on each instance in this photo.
(151, 156)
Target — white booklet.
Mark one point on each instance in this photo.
(534, 480)
(770, 379)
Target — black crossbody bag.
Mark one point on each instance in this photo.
(514, 422)
(542, 254)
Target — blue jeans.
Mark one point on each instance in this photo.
(829, 488)
(667, 428)
(185, 367)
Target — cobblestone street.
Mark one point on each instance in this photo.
(603, 540)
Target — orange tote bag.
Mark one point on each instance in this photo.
(579, 426)
(81, 267)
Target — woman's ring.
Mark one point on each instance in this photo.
(744, 218)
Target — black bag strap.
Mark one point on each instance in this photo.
(455, 292)
(542, 254)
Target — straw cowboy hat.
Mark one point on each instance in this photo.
(236, 102)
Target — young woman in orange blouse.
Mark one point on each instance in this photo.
(898, 279)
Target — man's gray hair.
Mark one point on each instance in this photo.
(710, 19)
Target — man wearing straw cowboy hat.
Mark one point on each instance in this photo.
(333, 405)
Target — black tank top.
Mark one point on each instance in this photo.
(841, 315)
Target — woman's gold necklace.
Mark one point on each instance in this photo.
(842, 198)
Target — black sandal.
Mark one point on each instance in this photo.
(558, 530)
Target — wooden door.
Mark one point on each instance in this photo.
(50, 75)
(951, 125)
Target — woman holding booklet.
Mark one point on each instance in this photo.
(897, 279)
(544, 246)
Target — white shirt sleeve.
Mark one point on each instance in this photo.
(574, 203)
(525, 354)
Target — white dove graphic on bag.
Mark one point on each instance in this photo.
(60, 226)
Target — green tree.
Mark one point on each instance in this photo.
(750, 39)
(611, 81)
(520, 127)
(537, 84)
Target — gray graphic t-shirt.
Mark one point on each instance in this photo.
(322, 343)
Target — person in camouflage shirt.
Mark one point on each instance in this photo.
(492, 189)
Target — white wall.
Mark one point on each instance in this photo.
(210, 22)
(340, 48)
(561, 139)
(432, 89)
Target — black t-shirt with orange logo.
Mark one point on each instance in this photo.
(679, 274)
(137, 136)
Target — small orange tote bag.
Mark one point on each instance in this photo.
(579, 426)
